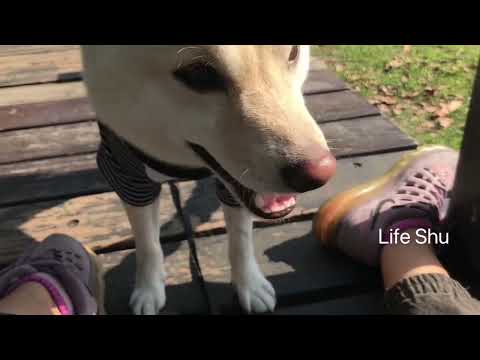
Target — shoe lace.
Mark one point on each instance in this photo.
(423, 190)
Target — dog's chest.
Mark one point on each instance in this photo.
(136, 177)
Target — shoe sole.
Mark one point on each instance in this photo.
(334, 210)
(99, 280)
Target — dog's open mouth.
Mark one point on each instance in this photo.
(268, 206)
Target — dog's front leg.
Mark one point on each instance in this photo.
(148, 297)
(255, 292)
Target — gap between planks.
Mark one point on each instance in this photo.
(100, 221)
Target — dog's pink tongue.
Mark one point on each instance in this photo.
(271, 203)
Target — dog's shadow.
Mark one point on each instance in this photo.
(302, 256)
(120, 280)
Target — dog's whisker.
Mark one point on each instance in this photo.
(244, 173)
(182, 50)
(198, 57)
(187, 48)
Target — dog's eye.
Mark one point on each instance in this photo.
(294, 53)
(201, 77)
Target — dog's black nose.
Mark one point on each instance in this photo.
(309, 175)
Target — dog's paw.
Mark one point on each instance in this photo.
(148, 300)
(255, 293)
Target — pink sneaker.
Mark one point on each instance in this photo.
(414, 194)
(66, 269)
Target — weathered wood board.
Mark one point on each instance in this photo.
(293, 260)
(27, 116)
(346, 138)
(96, 220)
(184, 292)
(33, 64)
(100, 221)
(371, 303)
(42, 93)
(65, 105)
(48, 142)
(49, 183)
(18, 66)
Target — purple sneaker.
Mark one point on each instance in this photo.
(60, 260)
(414, 194)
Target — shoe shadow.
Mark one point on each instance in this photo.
(303, 272)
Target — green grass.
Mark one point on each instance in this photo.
(425, 78)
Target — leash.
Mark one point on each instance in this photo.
(194, 262)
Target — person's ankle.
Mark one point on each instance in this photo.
(37, 294)
(405, 260)
(29, 299)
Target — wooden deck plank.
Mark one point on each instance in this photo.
(366, 304)
(96, 220)
(48, 142)
(100, 221)
(12, 50)
(199, 201)
(322, 81)
(298, 266)
(346, 138)
(44, 114)
(369, 135)
(67, 110)
(42, 93)
(338, 105)
(184, 295)
(30, 64)
(35, 67)
(45, 180)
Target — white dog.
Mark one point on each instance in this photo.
(236, 112)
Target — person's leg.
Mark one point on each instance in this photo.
(29, 299)
(402, 261)
(58, 276)
(416, 282)
(377, 223)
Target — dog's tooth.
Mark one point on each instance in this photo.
(259, 201)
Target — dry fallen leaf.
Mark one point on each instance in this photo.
(427, 125)
(428, 107)
(430, 91)
(397, 110)
(339, 67)
(394, 64)
(418, 111)
(454, 105)
(389, 100)
(404, 79)
(411, 95)
(446, 109)
(445, 122)
(385, 90)
(407, 49)
(384, 109)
